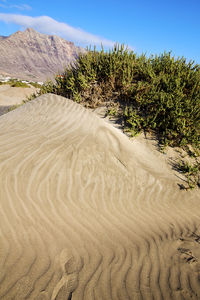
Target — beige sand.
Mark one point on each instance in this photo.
(87, 214)
(10, 96)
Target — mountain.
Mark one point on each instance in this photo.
(35, 56)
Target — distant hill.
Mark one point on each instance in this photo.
(35, 56)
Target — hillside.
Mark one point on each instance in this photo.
(35, 56)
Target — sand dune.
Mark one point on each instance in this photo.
(10, 96)
(87, 214)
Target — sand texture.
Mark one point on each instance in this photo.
(87, 214)
(10, 96)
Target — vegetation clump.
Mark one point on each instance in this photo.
(159, 94)
(35, 84)
(15, 83)
(19, 84)
(192, 172)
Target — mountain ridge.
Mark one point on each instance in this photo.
(35, 56)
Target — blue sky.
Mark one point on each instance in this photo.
(150, 27)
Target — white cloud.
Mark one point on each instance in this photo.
(45, 24)
(21, 6)
(17, 6)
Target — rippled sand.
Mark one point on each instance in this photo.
(87, 214)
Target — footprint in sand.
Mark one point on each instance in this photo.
(190, 248)
(187, 255)
(70, 269)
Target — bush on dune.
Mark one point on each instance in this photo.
(159, 93)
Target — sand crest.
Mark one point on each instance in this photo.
(87, 214)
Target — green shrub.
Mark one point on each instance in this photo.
(3, 82)
(192, 172)
(19, 84)
(159, 93)
(167, 100)
(35, 84)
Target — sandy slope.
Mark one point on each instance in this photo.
(87, 214)
(10, 96)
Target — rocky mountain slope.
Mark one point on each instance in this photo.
(35, 56)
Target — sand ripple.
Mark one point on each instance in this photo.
(86, 214)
